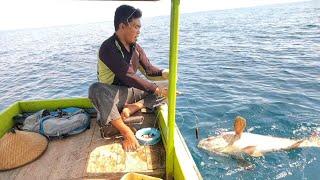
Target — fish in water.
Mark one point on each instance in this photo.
(252, 144)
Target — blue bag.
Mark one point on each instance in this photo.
(60, 123)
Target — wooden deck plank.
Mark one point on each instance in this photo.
(156, 157)
(60, 155)
(71, 163)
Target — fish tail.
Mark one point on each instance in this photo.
(315, 140)
(312, 141)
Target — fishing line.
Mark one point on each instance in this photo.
(155, 121)
(194, 113)
(183, 119)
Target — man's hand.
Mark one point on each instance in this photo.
(161, 92)
(164, 92)
(130, 142)
(165, 73)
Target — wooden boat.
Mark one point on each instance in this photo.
(87, 155)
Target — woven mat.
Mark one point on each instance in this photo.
(20, 148)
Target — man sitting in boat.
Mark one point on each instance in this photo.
(119, 87)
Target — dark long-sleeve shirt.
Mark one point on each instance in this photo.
(117, 66)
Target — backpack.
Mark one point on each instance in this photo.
(59, 123)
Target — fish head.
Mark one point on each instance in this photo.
(216, 144)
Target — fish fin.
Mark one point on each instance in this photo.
(296, 144)
(235, 138)
(257, 154)
(244, 163)
(252, 151)
(239, 125)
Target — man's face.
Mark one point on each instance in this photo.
(132, 31)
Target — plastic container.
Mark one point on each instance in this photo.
(148, 136)
(136, 176)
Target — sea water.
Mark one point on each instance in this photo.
(262, 63)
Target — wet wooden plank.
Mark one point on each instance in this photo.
(111, 161)
(106, 159)
(146, 160)
(11, 174)
(156, 157)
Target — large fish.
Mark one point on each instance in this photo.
(252, 144)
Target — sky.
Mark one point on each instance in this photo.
(19, 14)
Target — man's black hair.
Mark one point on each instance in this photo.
(125, 14)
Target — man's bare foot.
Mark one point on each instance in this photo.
(130, 109)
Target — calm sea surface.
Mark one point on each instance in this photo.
(262, 63)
